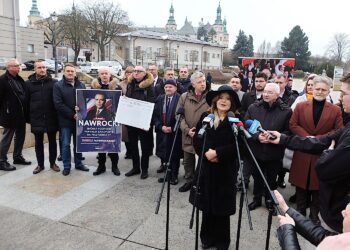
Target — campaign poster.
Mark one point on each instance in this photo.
(97, 130)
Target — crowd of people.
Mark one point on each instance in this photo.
(307, 122)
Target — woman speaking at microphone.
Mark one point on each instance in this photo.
(217, 183)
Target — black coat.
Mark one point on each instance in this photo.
(13, 101)
(42, 112)
(142, 90)
(164, 141)
(247, 99)
(305, 227)
(158, 88)
(332, 170)
(184, 84)
(217, 184)
(289, 96)
(64, 97)
(276, 118)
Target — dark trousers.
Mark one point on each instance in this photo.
(303, 196)
(247, 170)
(128, 150)
(270, 170)
(215, 230)
(135, 135)
(6, 139)
(39, 147)
(102, 158)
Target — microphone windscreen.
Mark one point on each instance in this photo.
(181, 111)
(248, 123)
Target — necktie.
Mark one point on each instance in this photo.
(167, 103)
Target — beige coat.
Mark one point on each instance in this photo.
(193, 111)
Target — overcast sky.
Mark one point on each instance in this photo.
(269, 20)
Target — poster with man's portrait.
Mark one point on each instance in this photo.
(97, 130)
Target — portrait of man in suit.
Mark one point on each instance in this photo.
(100, 111)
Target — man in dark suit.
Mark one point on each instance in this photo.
(99, 111)
(158, 85)
(13, 115)
(248, 83)
(164, 122)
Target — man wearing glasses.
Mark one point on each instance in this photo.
(332, 168)
(13, 114)
(140, 87)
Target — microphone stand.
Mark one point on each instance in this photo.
(243, 195)
(197, 194)
(272, 195)
(166, 178)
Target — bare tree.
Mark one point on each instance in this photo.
(75, 27)
(264, 49)
(339, 47)
(105, 21)
(53, 32)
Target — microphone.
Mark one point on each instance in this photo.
(255, 126)
(237, 124)
(207, 121)
(179, 114)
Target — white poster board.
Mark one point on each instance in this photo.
(338, 74)
(134, 113)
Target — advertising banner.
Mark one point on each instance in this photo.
(97, 130)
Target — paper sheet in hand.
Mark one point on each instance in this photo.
(134, 113)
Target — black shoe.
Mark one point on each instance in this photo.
(21, 161)
(127, 156)
(174, 181)
(161, 180)
(82, 168)
(254, 204)
(100, 169)
(115, 169)
(66, 172)
(132, 172)
(82, 158)
(38, 169)
(281, 183)
(161, 169)
(185, 187)
(7, 166)
(293, 198)
(144, 175)
(59, 158)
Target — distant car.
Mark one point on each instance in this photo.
(29, 64)
(86, 66)
(52, 62)
(23, 66)
(115, 67)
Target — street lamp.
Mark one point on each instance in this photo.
(177, 57)
(54, 20)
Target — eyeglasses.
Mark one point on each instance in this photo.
(14, 65)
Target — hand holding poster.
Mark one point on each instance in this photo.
(134, 113)
(97, 130)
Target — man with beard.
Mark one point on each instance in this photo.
(43, 116)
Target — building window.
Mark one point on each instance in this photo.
(213, 55)
(206, 56)
(194, 56)
(30, 48)
(186, 56)
(218, 55)
(149, 53)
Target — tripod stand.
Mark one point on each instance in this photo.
(197, 193)
(271, 194)
(166, 178)
(243, 196)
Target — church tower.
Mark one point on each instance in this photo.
(34, 14)
(221, 36)
(171, 24)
